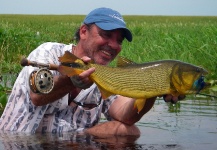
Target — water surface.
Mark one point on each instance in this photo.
(190, 124)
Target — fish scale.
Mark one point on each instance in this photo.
(133, 79)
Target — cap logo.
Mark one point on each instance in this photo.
(116, 16)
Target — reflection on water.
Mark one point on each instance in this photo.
(14, 141)
(191, 124)
(79, 141)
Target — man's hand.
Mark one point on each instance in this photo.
(173, 99)
(82, 80)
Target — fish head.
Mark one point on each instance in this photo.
(188, 78)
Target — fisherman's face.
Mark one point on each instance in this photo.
(102, 46)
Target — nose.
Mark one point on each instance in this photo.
(114, 44)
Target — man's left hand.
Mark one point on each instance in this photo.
(173, 99)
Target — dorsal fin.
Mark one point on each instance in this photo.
(123, 62)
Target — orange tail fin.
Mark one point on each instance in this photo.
(68, 58)
(69, 71)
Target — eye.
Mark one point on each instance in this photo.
(120, 42)
(105, 34)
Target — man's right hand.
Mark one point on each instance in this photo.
(82, 80)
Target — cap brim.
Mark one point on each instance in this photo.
(112, 26)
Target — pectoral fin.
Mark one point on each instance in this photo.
(139, 104)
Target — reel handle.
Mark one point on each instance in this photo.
(25, 62)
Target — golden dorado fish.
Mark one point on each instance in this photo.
(139, 81)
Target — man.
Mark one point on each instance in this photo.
(75, 103)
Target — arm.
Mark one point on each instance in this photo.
(124, 115)
(62, 86)
(122, 109)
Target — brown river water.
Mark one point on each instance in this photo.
(188, 125)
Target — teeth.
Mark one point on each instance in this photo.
(106, 53)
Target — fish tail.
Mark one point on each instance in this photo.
(71, 65)
(69, 71)
(68, 58)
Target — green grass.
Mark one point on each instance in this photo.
(189, 39)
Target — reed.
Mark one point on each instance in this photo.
(189, 39)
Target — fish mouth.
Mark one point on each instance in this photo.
(200, 84)
(207, 85)
(201, 81)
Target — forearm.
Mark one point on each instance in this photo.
(111, 128)
(62, 86)
(123, 110)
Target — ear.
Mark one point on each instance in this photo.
(83, 31)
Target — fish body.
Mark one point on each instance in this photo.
(139, 81)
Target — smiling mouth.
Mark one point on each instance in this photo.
(106, 53)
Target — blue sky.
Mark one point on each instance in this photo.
(125, 7)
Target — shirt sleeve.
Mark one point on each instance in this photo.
(49, 53)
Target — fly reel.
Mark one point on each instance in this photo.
(41, 81)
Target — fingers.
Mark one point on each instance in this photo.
(82, 80)
(86, 73)
(85, 59)
(173, 99)
(181, 97)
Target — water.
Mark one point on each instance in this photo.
(191, 124)
(7, 80)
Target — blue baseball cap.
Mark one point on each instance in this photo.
(108, 19)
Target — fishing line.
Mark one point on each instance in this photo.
(207, 95)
